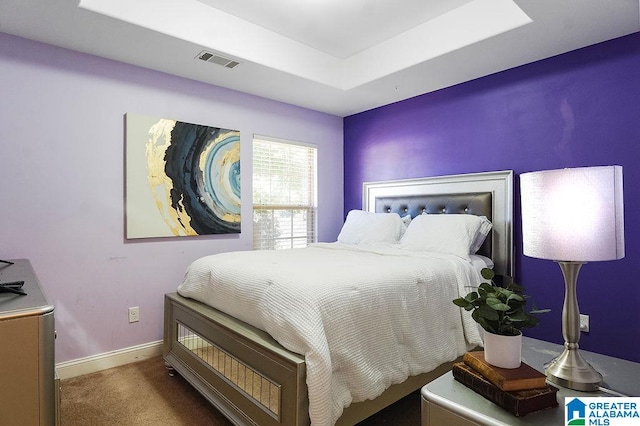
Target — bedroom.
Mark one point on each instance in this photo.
(62, 174)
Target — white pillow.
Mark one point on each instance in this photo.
(483, 232)
(371, 228)
(455, 234)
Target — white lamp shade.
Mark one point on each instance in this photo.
(573, 214)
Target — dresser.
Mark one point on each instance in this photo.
(445, 401)
(28, 391)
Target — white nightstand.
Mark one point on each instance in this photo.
(446, 401)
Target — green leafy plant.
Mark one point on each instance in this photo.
(500, 310)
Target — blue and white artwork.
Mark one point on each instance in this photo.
(182, 179)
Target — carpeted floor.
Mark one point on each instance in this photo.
(143, 394)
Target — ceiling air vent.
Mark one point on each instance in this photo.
(214, 58)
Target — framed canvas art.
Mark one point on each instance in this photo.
(182, 179)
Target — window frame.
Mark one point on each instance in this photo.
(306, 210)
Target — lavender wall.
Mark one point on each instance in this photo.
(62, 177)
(577, 109)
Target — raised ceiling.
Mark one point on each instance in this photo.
(336, 56)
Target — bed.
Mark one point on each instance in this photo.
(252, 379)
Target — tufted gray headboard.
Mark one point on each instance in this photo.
(479, 204)
(484, 194)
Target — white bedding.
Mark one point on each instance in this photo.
(364, 318)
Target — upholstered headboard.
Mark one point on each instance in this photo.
(484, 194)
(478, 204)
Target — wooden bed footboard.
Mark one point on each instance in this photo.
(246, 374)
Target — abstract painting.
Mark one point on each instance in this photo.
(182, 179)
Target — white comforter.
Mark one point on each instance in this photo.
(364, 319)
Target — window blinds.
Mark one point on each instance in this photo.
(284, 194)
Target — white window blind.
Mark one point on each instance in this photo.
(284, 194)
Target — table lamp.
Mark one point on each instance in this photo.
(573, 216)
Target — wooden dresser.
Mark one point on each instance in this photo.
(28, 394)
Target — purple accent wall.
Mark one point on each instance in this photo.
(577, 109)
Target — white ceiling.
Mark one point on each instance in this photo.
(336, 56)
(337, 27)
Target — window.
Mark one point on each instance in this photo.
(284, 194)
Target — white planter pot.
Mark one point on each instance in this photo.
(503, 351)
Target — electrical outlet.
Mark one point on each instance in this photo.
(584, 323)
(134, 314)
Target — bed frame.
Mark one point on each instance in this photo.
(253, 380)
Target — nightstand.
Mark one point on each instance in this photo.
(446, 401)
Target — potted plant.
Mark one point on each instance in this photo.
(501, 312)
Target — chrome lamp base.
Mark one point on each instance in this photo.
(570, 370)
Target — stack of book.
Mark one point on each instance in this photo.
(519, 390)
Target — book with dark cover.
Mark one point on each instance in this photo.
(508, 379)
(517, 403)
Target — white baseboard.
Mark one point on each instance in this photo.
(91, 364)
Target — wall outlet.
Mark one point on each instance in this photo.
(584, 323)
(134, 314)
